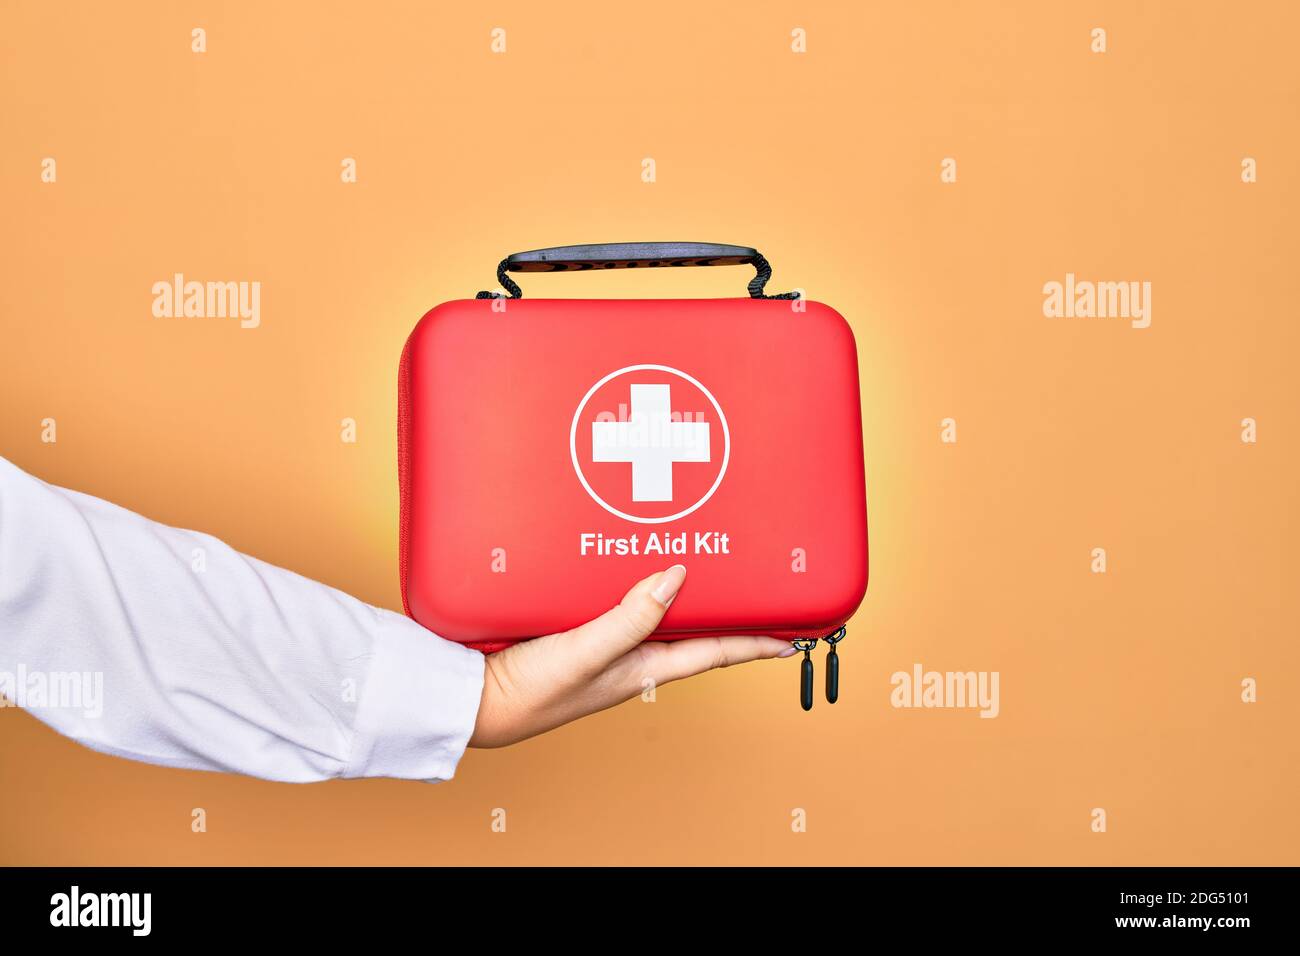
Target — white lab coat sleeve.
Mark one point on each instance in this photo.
(208, 659)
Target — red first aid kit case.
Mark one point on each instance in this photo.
(552, 452)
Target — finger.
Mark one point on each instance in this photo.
(539, 684)
(607, 638)
(664, 662)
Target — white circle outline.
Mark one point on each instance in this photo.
(573, 443)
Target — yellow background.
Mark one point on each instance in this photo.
(1119, 691)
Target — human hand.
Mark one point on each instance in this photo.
(538, 685)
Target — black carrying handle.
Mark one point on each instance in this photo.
(634, 255)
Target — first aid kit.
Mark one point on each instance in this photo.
(553, 451)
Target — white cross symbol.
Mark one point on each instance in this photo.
(651, 441)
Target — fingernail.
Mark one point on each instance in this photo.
(789, 652)
(669, 584)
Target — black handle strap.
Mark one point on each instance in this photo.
(634, 255)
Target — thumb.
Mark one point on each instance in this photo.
(629, 622)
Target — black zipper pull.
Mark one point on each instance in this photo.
(806, 644)
(833, 666)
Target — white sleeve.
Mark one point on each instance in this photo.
(167, 646)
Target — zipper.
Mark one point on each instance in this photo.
(806, 675)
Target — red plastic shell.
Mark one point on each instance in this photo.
(493, 453)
